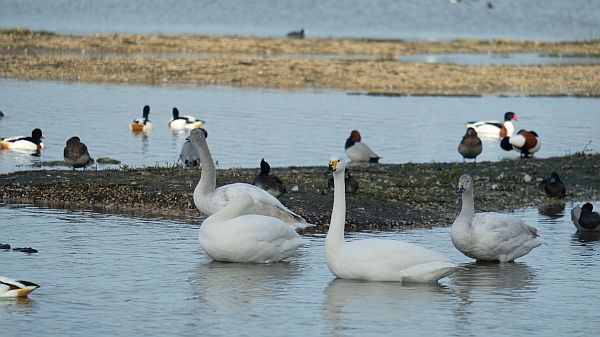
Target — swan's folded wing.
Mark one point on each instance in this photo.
(265, 203)
(392, 255)
(501, 228)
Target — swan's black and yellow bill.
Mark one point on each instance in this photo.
(332, 165)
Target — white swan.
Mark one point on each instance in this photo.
(209, 199)
(236, 234)
(375, 259)
(12, 288)
(490, 236)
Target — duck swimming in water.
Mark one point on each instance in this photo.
(142, 124)
(184, 122)
(585, 219)
(33, 143)
(12, 288)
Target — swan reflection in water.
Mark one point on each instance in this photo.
(514, 281)
(498, 284)
(243, 288)
(379, 306)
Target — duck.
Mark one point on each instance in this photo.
(267, 182)
(12, 288)
(585, 219)
(376, 259)
(470, 146)
(495, 129)
(76, 153)
(490, 236)
(358, 151)
(553, 186)
(184, 122)
(235, 233)
(188, 155)
(525, 142)
(349, 181)
(296, 34)
(33, 143)
(209, 199)
(142, 124)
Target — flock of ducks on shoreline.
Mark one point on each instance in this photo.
(247, 223)
(525, 142)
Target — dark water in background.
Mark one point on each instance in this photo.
(116, 276)
(414, 20)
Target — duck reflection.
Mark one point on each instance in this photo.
(16, 306)
(374, 304)
(553, 209)
(144, 138)
(240, 288)
(583, 237)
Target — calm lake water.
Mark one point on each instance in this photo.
(414, 20)
(287, 128)
(111, 275)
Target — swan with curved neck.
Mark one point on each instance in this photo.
(375, 259)
(209, 199)
(235, 234)
(490, 236)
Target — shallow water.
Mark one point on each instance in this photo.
(500, 59)
(112, 275)
(416, 19)
(287, 128)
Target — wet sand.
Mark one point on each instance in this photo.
(389, 196)
(361, 66)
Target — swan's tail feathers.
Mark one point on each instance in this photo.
(429, 272)
(301, 224)
(295, 221)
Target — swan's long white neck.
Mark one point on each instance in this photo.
(468, 205)
(208, 177)
(335, 234)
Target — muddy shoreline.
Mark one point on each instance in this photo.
(360, 66)
(391, 196)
